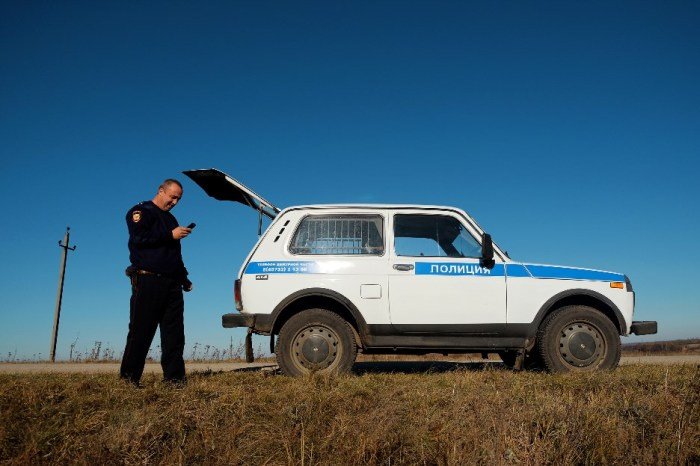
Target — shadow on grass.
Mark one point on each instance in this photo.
(203, 374)
(376, 367)
(417, 367)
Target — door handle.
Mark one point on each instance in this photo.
(403, 267)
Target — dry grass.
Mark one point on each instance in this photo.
(636, 414)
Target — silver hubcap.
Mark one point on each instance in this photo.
(581, 344)
(315, 348)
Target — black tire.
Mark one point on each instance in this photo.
(315, 340)
(578, 338)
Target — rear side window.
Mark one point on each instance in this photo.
(339, 234)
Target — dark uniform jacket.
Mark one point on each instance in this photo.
(151, 244)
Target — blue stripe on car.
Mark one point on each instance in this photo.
(282, 267)
(454, 269)
(458, 268)
(517, 270)
(568, 273)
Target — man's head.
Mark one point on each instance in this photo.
(168, 195)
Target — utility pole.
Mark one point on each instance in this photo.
(59, 296)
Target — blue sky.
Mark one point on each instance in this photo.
(569, 130)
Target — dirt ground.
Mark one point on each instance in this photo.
(106, 367)
(671, 359)
(371, 366)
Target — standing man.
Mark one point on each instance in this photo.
(158, 277)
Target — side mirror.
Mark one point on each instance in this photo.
(487, 252)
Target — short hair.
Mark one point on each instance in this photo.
(167, 183)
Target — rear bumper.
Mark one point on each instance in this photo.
(260, 323)
(646, 327)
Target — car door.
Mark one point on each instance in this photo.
(436, 282)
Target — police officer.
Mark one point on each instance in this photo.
(158, 277)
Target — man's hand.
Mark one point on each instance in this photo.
(187, 285)
(181, 232)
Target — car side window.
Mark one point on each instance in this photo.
(433, 236)
(339, 234)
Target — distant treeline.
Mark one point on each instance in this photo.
(672, 346)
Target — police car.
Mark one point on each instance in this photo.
(327, 281)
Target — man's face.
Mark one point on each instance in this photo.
(169, 196)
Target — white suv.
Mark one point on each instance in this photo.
(330, 280)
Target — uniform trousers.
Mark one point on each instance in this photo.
(155, 300)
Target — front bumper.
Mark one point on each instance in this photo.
(646, 327)
(259, 323)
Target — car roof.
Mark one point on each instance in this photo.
(370, 206)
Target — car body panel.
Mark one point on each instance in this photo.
(428, 299)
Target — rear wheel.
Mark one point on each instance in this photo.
(578, 338)
(315, 340)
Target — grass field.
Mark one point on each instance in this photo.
(635, 414)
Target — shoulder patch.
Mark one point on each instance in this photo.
(136, 216)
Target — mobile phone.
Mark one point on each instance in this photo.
(191, 225)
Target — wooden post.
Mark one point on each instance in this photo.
(59, 295)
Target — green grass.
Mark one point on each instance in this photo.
(635, 414)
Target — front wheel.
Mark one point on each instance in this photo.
(315, 340)
(578, 338)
